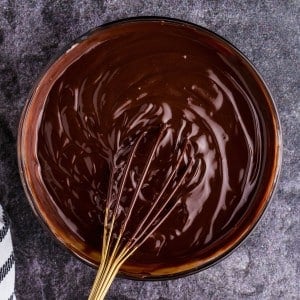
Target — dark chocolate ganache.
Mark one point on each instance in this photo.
(130, 78)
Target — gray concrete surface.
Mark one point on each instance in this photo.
(267, 265)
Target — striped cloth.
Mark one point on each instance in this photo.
(7, 261)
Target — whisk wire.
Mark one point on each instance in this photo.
(115, 249)
(117, 204)
(123, 181)
(144, 233)
(107, 234)
(170, 177)
(142, 179)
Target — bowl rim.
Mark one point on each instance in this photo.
(273, 181)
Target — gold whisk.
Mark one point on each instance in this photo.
(117, 247)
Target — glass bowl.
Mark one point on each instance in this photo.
(38, 195)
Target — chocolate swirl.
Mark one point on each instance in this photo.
(132, 78)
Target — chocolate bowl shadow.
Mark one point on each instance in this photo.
(119, 79)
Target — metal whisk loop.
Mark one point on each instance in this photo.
(114, 251)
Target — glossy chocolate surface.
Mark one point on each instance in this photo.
(130, 78)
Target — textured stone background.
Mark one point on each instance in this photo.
(267, 265)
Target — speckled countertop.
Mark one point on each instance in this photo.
(267, 265)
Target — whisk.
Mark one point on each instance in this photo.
(117, 246)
